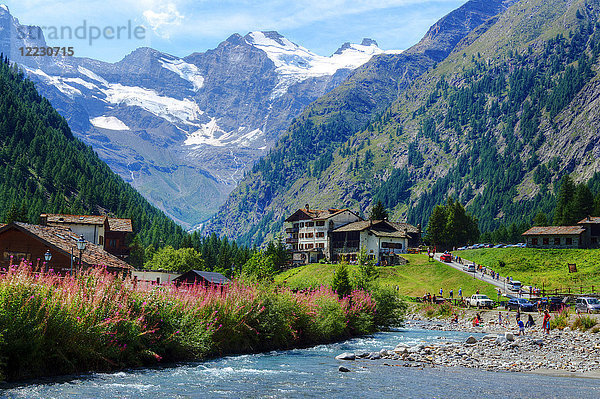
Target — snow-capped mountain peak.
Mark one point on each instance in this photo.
(295, 63)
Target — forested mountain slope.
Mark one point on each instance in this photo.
(275, 184)
(43, 168)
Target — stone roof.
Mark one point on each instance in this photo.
(591, 220)
(381, 228)
(554, 230)
(117, 224)
(315, 214)
(64, 240)
(74, 219)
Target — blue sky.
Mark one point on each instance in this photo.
(181, 27)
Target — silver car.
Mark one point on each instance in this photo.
(587, 304)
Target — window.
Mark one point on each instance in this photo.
(101, 240)
(557, 241)
(295, 225)
(546, 241)
(113, 243)
(534, 241)
(321, 223)
(320, 234)
(321, 245)
(309, 246)
(301, 235)
(310, 224)
(568, 241)
(309, 235)
(301, 246)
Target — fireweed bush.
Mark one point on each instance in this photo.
(95, 321)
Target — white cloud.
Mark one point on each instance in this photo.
(162, 21)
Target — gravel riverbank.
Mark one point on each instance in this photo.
(497, 347)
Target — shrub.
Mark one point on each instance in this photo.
(583, 323)
(341, 280)
(560, 321)
(390, 307)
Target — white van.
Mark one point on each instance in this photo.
(514, 285)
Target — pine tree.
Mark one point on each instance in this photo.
(583, 202)
(436, 228)
(341, 280)
(378, 212)
(565, 212)
(540, 219)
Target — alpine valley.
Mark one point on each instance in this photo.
(183, 131)
(493, 106)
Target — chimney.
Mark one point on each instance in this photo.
(306, 207)
(419, 228)
(589, 218)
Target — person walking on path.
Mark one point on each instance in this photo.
(451, 294)
(546, 322)
(441, 292)
(460, 292)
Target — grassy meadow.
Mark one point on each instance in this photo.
(547, 267)
(416, 278)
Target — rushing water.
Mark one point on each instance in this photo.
(313, 373)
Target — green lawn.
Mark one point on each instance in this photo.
(547, 267)
(414, 279)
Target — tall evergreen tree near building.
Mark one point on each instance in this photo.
(565, 213)
(583, 202)
(436, 228)
(540, 219)
(378, 212)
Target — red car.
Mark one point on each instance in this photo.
(446, 257)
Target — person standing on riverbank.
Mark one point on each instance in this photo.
(546, 322)
(521, 326)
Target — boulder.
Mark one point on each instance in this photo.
(384, 353)
(471, 340)
(346, 356)
(509, 336)
(362, 354)
(343, 369)
(375, 356)
(490, 337)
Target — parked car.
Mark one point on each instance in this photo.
(521, 304)
(481, 301)
(553, 303)
(514, 285)
(587, 304)
(469, 268)
(446, 257)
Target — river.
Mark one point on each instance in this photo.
(312, 373)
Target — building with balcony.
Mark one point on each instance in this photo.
(309, 232)
(382, 240)
(331, 234)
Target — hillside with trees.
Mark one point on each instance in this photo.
(44, 169)
(496, 125)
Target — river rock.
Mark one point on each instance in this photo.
(383, 353)
(343, 369)
(490, 337)
(375, 356)
(346, 356)
(509, 336)
(471, 340)
(362, 354)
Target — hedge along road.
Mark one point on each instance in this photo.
(500, 283)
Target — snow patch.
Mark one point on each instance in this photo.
(92, 75)
(211, 134)
(4, 7)
(173, 110)
(186, 71)
(109, 122)
(81, 82)
(57, 82)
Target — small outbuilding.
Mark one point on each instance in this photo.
(555, 237)
(194, 277)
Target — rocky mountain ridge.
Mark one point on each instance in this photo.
(183, 131)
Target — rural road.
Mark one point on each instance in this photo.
(500, 283)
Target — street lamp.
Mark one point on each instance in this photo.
(48, 257)
(81, 247)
